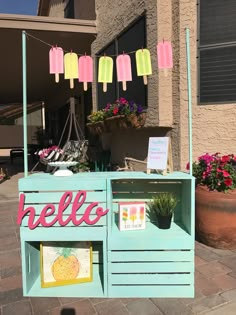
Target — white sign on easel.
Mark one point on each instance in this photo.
(159, 154)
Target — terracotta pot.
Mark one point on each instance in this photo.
(216, 218)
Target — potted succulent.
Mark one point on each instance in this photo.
(216, 200)
(161, 209)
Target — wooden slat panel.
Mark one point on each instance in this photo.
(92, 289)
(151, 238)
(148, 267)
(54, 197)
(53, 183)
(125, 256)
(63, 234)
(150, 279)
(151, 291)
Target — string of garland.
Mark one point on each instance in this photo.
(68, 51)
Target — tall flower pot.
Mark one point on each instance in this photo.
(216, 218)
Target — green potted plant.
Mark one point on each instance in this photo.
(161, 209)
(215, 197)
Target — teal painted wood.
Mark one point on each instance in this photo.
(24, 91)
(64, 234)
(54, 197)
(151, 238)
(151, 279)
(30, 264)
(151, 267)
(189, 81)
(46, 182)
(147, 255)
(149, 291)
(88, 289)
(31, 272)
(146, 252)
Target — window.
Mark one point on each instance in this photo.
(217, 51)
(69, 11)
(130, 40)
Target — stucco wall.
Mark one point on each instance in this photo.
(85, 12)
(56, 8)
(160, 111)
(214, 126)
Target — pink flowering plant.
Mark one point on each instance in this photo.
(122, 107)
(216, 171)
(49, 153)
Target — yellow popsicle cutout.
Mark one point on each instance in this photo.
(143, 63)
(71, 70)
(105, 71)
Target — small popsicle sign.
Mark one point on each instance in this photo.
(71, 67)
(124, 72)
(56, 62)
(164, 56)
(143, 63)
(85, 70)
(105, 71)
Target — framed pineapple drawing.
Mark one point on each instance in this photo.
(64, 263)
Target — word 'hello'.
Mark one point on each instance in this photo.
(50, 209)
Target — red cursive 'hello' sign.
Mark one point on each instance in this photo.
(65, 201)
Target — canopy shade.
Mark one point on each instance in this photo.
(76, 35)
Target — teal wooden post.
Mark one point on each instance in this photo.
(24, 102)
(189, 102)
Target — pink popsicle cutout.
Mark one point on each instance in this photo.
(164, 56)
(85, 70)
(123, 67)
(56, 62)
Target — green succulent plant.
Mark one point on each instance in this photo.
(162, 204)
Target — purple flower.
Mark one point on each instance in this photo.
(139, 109)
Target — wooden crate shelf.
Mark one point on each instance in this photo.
(141, 263)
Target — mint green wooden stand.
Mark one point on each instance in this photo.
(145, 263)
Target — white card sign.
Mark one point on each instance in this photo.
(158, 153)
(132, 216)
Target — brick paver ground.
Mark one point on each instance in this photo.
(215, 280)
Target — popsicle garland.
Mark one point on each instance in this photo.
(105, 71)
(164, 56)
(82, 68)
(123, 67)
(71, 67)
(85, 70)
(143, 63)
(56, 62)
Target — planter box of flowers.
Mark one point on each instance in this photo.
(119, 115)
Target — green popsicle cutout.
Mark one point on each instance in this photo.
(143, 63)
(105, 71)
